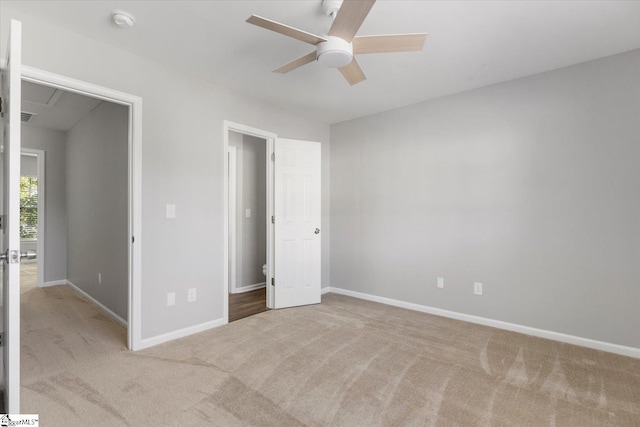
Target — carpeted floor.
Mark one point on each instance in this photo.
(344, 362)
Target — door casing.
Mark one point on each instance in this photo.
(231, 163)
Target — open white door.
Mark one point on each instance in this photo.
(11, 96)
(297, 223)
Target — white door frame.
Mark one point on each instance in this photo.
(34, 75)
(232, 265)
(40, 165)
(270, 138)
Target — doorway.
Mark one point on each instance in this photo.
(247, 212)
(246, 302)
(130, 200)
(293, 216)
(85, 245)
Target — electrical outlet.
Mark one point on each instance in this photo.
(247, 213)
(477, 288)
(99, 278)
(171, 299)
(191, 295)
(440, 282)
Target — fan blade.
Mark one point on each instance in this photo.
(350, 17)
(352, 72)
(285, 29)
(303, 60)
(389, 43)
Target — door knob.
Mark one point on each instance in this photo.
(317, 231)
(11, 257)
(29, 255)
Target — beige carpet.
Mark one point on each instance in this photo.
(345, 362)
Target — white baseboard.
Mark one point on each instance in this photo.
(180, 333)
(242, 289)
(527, 330)
(97, 303)
(325, 290)
(55, 283)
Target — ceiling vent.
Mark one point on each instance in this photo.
(26, 117)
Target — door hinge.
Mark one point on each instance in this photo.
(273, 281)
(1, 105)
(273, 157)
(1, 222)
(273, 219)
(133, 239)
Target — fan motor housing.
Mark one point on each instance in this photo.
(334, 53)
(331, 7)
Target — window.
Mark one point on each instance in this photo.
(28, 207)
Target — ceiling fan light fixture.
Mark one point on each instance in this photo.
(335, 52)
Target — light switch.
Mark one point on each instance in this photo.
(247, 213)
(171, 211)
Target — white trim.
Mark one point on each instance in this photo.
(271, 227)
(134, 333)
(181, 333)
(98, 304)
(248, 288)
(55, 283)
(34, 75)
(40, 166)
(527, 330)
(233, 266)
(325, 290)
(270, 138)
(11, 210)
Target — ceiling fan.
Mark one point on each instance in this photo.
(337, 49)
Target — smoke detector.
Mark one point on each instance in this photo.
(122, 18)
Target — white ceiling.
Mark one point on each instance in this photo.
(54, 109)
(470, 44)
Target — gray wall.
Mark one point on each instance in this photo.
(254, 197)
(236, 140)
(253, 242)
(182, 163)
(97, 215)
(251, 188)
(530, 187)
(28, 165)
(54, 145)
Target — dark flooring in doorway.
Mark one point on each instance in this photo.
(247, 304)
